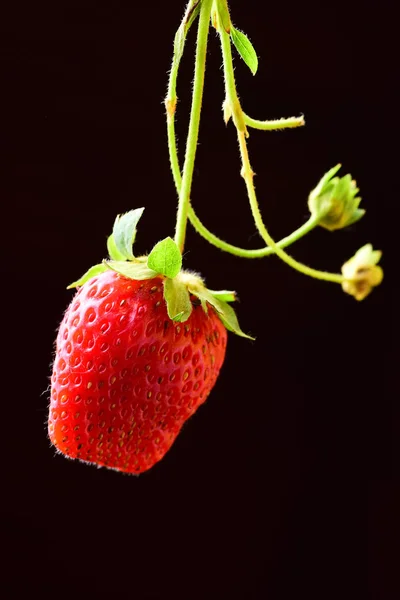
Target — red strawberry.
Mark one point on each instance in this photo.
(126, 377)
(139, 349)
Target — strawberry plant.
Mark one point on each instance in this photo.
(143, 340)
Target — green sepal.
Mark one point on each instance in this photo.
(124, 232)
(224, 310)
(224, 295)
(92, 272)
(357, 215)
(132, 270)
(334, 201)
(165, 258)
(325, 180)
(230, 320)
(113, 251)
(245, 49)
(177, 298)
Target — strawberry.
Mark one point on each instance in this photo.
(126, 377)
(138, 351)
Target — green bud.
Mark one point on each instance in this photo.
(361, 273)
(335, 202)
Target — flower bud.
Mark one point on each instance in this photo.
(362, 273)
(334, 201)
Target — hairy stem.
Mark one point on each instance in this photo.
(173, 154)
(244, 252)
(170, 103)
(247, 172)
(194, 124)
(276, 124)
(171, 100)
(248, 175)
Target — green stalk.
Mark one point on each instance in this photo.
(248, 175)
(194, 124)
(173, 154)
(194, 219)
(243, 252)
(276, 124)
(171, 99)
(170, 102)
(247, 172)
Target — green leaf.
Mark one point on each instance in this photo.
(193, 11)
(92, 272)
(179, 44)
(224, 295)
(124, 231)
(165, 258)
(245, 49)
(177, 297)
(113, 251)
(132, 270)
(224, 310)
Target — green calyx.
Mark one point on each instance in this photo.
(121, 257)
(334, 201)
(180, 291)
(181, 288)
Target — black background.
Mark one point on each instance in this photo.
(285, 483)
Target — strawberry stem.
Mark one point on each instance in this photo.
(244, 252)
(214, 240)
(276, 124)
(248, 175)
(194, 124)
(232, 101)
(170, 104)
(219, 12)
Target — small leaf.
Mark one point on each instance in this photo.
(113, 251)
(245, 49)
(192, 12)
(124, 231)
(224, 295)
(92, 272)
(179, 43)
(177, 297)
(132, 270)
(225, 312)
(165, 258)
